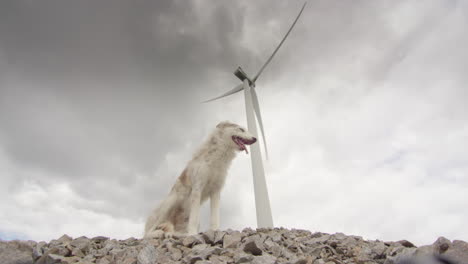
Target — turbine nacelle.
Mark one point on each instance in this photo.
(239, 73)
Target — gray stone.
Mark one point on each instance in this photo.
(275, 250)
(99, 239)
(276, 237)
(219, 259)
(209, 237)
(279, 246)
(59, 250)
(304, 260)
(90, 258)
(15, 252)
(406, 243)
(65, 238)
(339, 236)
(104, 260)
(441, 245)
(131, 241)
(71, 260)
(253, 247)
(232, 240)
(264, 259)
(317, 240)
(194, 259)
(242, 258)
(176, 253)
(248, 231)
(379, 248)
(49, 259)
(208, 252)
(198, 248)
(77, 252)
(128, 260)
(147, 255)
(424, 250)
(458, 252)
(38, 250)
(319, 261)
(81, 243)
(219, 237)
(189, 241)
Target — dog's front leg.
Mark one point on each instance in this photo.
(214, 202)
(195, 200)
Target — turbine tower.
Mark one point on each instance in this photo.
(262, 201)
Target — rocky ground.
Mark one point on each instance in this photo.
(218, 247)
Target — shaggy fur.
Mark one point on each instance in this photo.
(202, 178)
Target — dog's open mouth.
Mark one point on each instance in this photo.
(241, 142)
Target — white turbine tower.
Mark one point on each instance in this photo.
(262, 202)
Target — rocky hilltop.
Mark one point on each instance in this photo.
(267, 246)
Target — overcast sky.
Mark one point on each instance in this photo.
(364, 107)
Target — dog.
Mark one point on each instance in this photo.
(202, 178)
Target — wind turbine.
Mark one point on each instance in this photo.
(262, 202)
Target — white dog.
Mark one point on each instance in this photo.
(203, 178)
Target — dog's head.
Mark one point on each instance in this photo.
(235, 135)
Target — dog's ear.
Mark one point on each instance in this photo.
(225, 124)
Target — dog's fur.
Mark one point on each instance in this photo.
(202, 178)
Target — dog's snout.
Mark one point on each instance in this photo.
(254, 139)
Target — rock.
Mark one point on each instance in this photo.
(176, 253)
(65, 239)
(208, 252)
(198, 248)
(242, 258)
(248, 231)
(189, 241)
(264, 259)
(265, 245)
(49, 259)
(130, 241)
(424, 250)
(232, 240)
(458, 252)
(129, 260)
(317, 240)
(71, 260)
(104, 260)
(99, 239)
(59, 250)
(441, 245)
(38, 250)
(319, 261)
(219, 237)
(194, 259)
(15, 252)
(147, 255)
(406, 243)
(209, 237)
(253, 248)
(77, 252)
(339, 236)
(81, 243)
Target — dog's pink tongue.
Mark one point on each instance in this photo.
(246, 151)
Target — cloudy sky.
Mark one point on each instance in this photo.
(365, 111)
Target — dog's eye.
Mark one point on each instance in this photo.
(241, 129)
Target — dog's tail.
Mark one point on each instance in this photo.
(159, 230)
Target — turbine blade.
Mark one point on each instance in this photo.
(281, 43)
(256, 106)
(236, 89)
